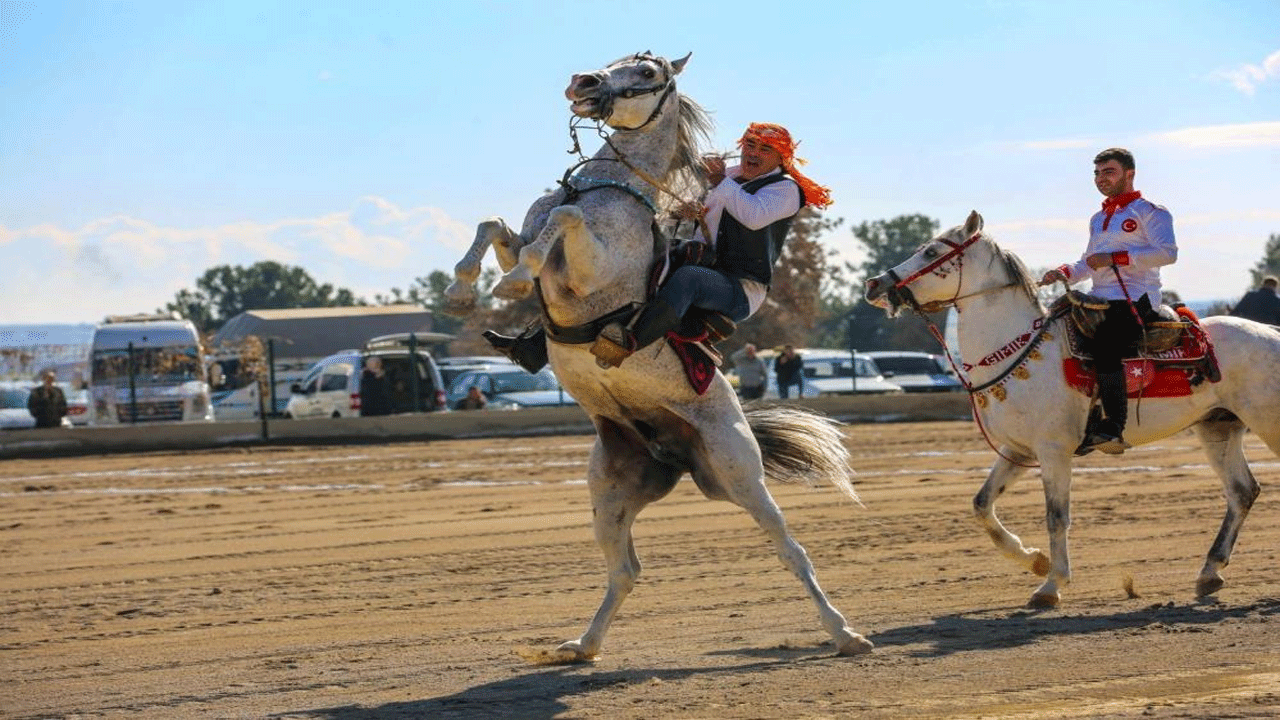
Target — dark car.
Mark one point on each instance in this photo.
(511, 387)
(916, 371)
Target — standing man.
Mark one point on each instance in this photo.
(1260, 305)
(1129, 240)
(752, 373)
(47, 404)
(375, 389)
(789, 368)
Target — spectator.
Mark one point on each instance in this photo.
(47, 404)
(1261, 305)
(752, 373)
(475, 400)
(375, 389)
(789, 369)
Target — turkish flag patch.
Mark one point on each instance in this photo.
(1129, 225)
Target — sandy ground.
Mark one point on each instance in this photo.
(404, 580)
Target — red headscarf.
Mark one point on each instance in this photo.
(777, 137)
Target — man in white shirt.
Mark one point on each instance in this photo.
(748, 213)
(1129, 240)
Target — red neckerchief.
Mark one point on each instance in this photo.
(1112, 204)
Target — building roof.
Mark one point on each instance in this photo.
(317, 332)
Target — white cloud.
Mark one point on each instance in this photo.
(1248, 77)
(1240, 135)
(1236, 135)
(123, 264)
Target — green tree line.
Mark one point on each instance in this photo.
(815, 300)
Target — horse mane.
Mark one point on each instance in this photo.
(693, 135)
(1019, 275)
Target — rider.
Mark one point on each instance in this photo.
(747, 214)
(1129, 239)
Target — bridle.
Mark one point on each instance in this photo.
(901, 294)
(666, 87)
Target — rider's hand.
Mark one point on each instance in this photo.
(1052, 277)
(690, 211)
(713, 165)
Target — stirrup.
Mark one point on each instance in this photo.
(528, 349)
(609, 353)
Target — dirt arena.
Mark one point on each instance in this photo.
(405, 580)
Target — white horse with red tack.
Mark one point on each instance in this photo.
(587, 250)
(1033, 411)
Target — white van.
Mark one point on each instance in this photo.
(147, 368)
(332, 387)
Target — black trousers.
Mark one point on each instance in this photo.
(1118, 334)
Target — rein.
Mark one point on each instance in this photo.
(1040, 327)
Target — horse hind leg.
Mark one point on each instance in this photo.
(1002, 476)
(461, 295)
(623, 480)
(748, 491)
(1224, 444)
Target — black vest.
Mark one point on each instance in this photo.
(743, 253)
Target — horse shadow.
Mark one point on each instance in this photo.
(983, 630)
(541, 693)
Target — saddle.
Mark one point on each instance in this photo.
(1173, 356)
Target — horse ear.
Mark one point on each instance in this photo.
(678, 65)
(973, 225)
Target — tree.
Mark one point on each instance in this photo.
(225, 291)
(852, 322)
(1270, 262)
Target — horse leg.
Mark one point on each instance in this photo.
(460, 296)
(517, 283)
(1224, 444)
(1002, 476)
(1055, 474)
(623, 478)
(734, 468)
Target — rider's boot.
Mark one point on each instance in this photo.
(528, 349)
(1108, 435)
(617, 343)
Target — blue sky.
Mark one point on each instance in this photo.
(144, 142)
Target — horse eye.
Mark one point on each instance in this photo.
(930, 253)
(648, 73)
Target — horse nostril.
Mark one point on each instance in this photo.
(585, 82)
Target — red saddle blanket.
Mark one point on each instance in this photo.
(1172, 373)
(699, 368)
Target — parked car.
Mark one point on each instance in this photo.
(833, 372)
(916, 371)
(77, 404)
(511, 387)
(452, 367)
(331, 388)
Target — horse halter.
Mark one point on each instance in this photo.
(665, 87)
(901, 294)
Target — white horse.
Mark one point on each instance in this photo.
(591, 246)
(1032, 415)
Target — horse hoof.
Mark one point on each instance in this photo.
(1040, 564)
(572, 652)
(854, 645)
(1043, 601)
(509, 288)
(1208, 586)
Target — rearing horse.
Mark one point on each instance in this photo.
(591, 246)
(1032, 414)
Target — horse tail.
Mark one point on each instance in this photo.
(801, 446)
